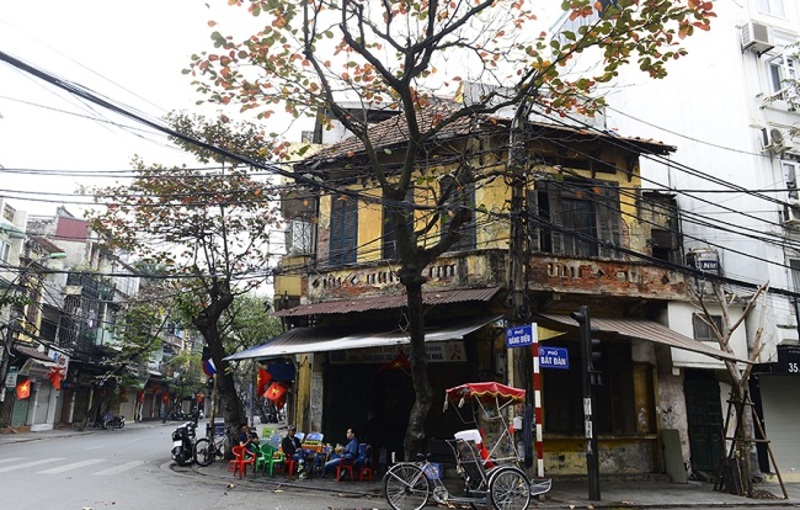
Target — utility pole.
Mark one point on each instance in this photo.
(590, 379)
(519, 312)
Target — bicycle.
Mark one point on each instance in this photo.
(409, 485)
(489, 479)
(206, 450)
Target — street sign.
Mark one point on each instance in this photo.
(11, 377)
(553, 357)
(520, 336)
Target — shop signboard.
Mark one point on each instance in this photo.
(438, 352)
(11, 377)
(788, 359)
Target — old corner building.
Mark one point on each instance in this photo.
(592, 237)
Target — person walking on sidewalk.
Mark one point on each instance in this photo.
(293, 449)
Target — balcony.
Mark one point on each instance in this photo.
(489, 268)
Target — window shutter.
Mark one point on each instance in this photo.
(350, 232)
(557, 235)
(608, 219)
(534, 228)
(344, 231)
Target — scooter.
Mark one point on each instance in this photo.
(183, 443)
(116, 422)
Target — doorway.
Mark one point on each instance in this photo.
(704, 420)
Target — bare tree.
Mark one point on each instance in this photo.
(401, 56)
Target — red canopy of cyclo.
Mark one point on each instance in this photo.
(486, 391)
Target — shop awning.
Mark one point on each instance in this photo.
(650, 331)
(318, 339)
(35, 354)
(389, 302)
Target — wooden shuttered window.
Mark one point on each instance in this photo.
(460, 196)
(575, 218)
(389, 249)
(344, 230)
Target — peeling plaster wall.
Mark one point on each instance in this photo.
(617, 456)
(672, 401)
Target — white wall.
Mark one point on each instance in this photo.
(679, 318)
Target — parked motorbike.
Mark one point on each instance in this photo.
(108, 421)
(116, 422)
(183, 443)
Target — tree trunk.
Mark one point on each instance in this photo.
(743, 446)
(207, 322)
(415, 434)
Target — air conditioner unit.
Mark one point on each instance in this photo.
(792, 214)
(774, 141)
(756, 37)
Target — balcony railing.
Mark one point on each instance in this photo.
(489, 268)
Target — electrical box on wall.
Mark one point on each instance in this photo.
(500, 362)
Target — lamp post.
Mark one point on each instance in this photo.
(5, 299)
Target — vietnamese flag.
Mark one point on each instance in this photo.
(55, 377)
(263, 378)
(399, 362)
(275, 392)
(24, 389)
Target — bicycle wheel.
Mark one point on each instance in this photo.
(509, 489)
(203, 452)
(406, 487)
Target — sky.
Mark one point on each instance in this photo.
(129, 52)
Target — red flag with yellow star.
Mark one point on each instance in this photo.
(24, 389)
(263, 379)
(275, 392)
(399, 362)
(55, 376)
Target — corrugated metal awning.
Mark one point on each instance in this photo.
(318, 339)
(387, 302)
(32, 353)
(651, 331)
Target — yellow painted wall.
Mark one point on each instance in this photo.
(492, 196)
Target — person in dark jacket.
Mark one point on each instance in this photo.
(292, 448)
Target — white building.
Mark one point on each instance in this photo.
(730, 111)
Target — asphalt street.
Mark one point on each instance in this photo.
(132, 469)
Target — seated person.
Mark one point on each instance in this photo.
(349, 454)
(249, 440)
(292, 449)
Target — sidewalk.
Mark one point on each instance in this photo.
(565, 494)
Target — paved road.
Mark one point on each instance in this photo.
(132, 469)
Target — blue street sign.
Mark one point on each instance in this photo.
(553, 357)
(520, 336)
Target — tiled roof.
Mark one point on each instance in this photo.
(394, 132)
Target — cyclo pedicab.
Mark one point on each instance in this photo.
(490, 475)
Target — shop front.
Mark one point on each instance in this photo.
(365, 377)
